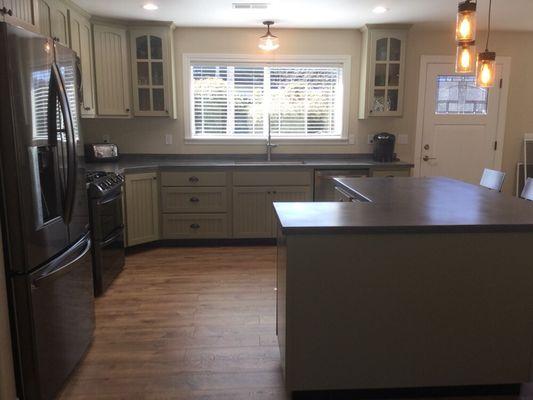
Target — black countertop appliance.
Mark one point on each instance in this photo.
(384, 147)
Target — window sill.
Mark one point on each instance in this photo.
(262, 141)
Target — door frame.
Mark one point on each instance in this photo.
(505, 62)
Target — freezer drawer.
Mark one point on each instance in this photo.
(60, 299)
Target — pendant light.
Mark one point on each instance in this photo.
(465, 28)
(486, 62)
(268, 42)
(465, 59)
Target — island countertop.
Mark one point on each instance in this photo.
(409, 205)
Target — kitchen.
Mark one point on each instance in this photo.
(188, 310)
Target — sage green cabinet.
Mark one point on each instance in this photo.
(81, 42)
(152, 71)
(142, 208)
(112, 71)
(20, 12)
(253, 213)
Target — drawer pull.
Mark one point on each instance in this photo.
(195, 226)
(193, 179)
(194, 199)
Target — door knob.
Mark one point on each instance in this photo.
(427, 158)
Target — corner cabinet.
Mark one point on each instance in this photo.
(383, 70)
(153, 74)
(112, 71)
(20, 12)
(82, 43)
(142, 208)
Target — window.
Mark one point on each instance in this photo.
(245, 99)
(458, 94)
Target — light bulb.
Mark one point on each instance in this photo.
(465, 60)
(465, 30)
(268, 42)
(486, 69)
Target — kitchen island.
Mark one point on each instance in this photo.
(426, 282)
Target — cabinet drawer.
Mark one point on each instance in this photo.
(391, 173)
(201, 199)
(187, 226)
(193, 178)
(272, 178)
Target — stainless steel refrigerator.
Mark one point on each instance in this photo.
(44, 211)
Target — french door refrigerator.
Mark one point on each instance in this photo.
(44, 211)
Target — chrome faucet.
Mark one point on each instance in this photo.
(269, 144)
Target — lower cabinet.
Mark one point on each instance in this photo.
(142, 208)
(253, 214)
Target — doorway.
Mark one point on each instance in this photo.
(460, 127)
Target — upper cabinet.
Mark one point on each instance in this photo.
(152, 71)
(81, 42)
(20, 12)
(53, 20)
(112, 71)
(383, 70)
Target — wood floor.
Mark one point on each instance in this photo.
(194, 323)
(186, 323)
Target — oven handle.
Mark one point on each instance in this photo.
(119, 231)
(101, 203)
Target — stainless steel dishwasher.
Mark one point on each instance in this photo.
(325, 185)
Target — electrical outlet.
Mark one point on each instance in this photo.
(370, 139)
(403, 139)
(351, 139)
(106, 138)
(168, 139)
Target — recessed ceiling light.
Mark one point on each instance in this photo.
(150, 7)
(380, 10)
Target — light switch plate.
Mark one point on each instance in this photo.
(106, 138)
(403, 139)
(370, 139)
(168, 139)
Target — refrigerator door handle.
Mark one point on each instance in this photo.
(70, 190)
(58, 272)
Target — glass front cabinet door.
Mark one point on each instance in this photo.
(152, 68)
(383, 70)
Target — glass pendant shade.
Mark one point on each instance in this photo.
(486, 69)
(268, 42)
(465, 59)
(465, 29)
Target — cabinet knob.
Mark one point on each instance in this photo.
(10, 13)
(55, 39)
(195, 226)
(127, 110)
(194, 199)
(193, 179)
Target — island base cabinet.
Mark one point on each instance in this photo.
(142, 208)
(438, 309)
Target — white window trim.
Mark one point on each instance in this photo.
(191, 58)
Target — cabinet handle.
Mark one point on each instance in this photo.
(10, 13)
(193, 179)
(274, 192)
(195, 226)
(194, 199)
(55, 39)
(87, 108)
(127, 110)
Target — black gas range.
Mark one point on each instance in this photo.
(107, 227)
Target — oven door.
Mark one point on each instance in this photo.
(108, 261)
(107, 217)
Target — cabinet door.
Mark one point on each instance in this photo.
(21, 12)
(387, 72)
(142, 208)
(45, 18)
(252, 212)
(81, 43)
(111, 71)
(150, 54)
(59, 22)
(287, 194)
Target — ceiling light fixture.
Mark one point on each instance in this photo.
(465, 27)
(465, 59)
(486, 61)
(268, 41)
(380, 10)
(150, 7)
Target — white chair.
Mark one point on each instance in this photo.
(492, 179)
(527, 192)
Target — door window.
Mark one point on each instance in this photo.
(459, 95)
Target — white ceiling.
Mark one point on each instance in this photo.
(507, 14)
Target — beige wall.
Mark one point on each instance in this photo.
(7, 378)
(147, 135)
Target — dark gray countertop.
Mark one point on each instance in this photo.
(142, 163)
(410, 205)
